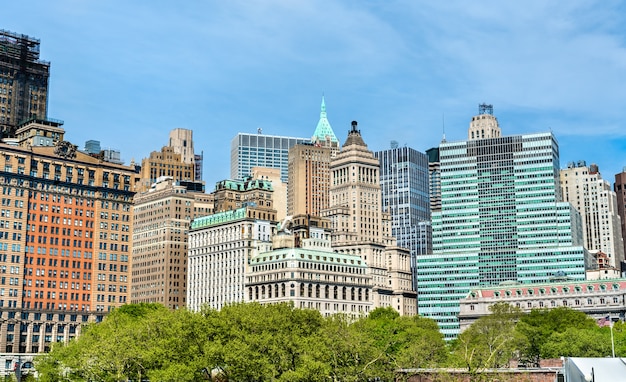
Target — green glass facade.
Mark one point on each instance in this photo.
(501, 219)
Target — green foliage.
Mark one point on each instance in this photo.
(538, 326)
(244, 342)
(575, 342)
(491, 341)
(253, 342)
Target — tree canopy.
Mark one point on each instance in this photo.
(244, 342)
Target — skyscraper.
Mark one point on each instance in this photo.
(259, 150)
(308, 170)
(309, 179)
(324, 136)
(620, 193)
(162, 218)
(434, 179)
(23, 81)
(404, 186)
(361, 227)
(501, 220)
(596, 202)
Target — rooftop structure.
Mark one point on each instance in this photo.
(23, 79)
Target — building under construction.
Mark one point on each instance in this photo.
(23, 82)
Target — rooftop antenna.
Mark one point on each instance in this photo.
(443, 126)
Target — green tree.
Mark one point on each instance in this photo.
(575, 342)
(491, 341)
(538, 325)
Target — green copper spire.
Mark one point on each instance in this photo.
(323, 132)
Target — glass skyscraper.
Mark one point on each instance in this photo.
(259, 150)
(404, 187)
(501, 220)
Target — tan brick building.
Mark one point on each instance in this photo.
(309, 179)
(162, 217)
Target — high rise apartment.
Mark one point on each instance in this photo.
(620, 194)
(404, 186)
(361, 227)
(259, 150)
(23, 81)
(65, 223)
(162, 218)
(501, 220)
(596, 202)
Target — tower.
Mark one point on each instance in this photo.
(23, 82)
(404, 187)
(308, 170)
(484, 125)
(501, 219)
(593, 198)
(176, 160)
(361, 227)
(324, 135)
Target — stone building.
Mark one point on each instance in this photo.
(302, 268)
(220, 247)
(360, 227)
(597, 298)
(596, 202)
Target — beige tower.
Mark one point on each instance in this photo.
(360, 227)
(279, 195)
(162, 217)
(181, 140)
(309, 180)
(484, 125)
(592, 196)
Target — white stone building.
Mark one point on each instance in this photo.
(220, 246)
(593, 197)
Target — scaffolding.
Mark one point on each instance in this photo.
(25, 77)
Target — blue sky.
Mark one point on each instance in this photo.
(127, 72)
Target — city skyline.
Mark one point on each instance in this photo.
(403, 70)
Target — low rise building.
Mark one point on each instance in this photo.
(597, 298)
(303, 269)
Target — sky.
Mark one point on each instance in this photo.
(127, 72)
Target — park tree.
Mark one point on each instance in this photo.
(539, 325)
(243, 342)
(491, 341)
(578, 342)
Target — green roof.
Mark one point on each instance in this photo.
(219, 218)
(308, 255)
(323, 131)
(244, 185)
